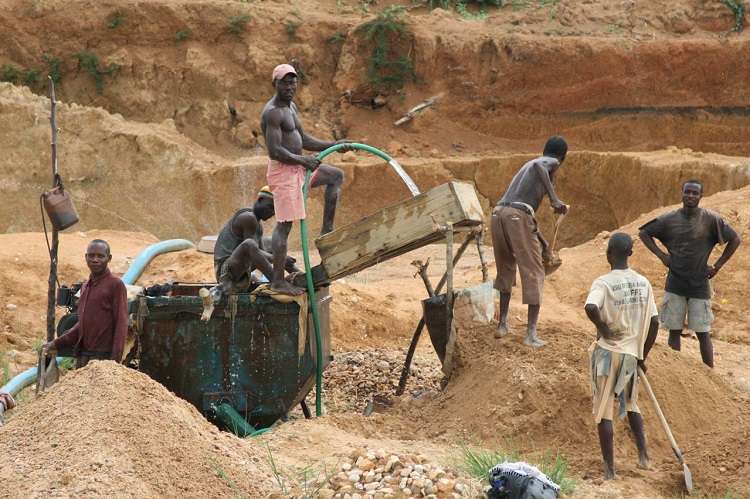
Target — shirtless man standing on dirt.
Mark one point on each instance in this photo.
(689, 235)
(516, 239)
(621, 306)
(286, 139)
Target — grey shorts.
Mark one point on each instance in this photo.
(674, 308)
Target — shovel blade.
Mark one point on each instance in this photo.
(688, 477)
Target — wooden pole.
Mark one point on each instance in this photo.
(52, 281)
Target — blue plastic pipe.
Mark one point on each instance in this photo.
(144, 257)
(28, 377)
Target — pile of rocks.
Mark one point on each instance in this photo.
(355, 379)
(374, 474)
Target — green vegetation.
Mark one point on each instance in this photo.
(738, 7)
(182, 35)
(219, 470)
(303, 483)
(477, 463)
(388, 67)
(116, 20)
(336, 38)
(291, 28)
(54, 68)
(237, 24)
(89, 62)
(10, 73)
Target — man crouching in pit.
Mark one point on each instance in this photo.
(621, 305)
(239, 248)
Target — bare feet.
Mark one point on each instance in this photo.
(286, 288)
(533, 340)
(609, 474)
(502, 330)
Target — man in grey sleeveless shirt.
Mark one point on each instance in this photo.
(239, 248)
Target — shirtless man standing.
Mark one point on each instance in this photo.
(286, 139)
(516, 238)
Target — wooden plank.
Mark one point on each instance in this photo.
(398, 229)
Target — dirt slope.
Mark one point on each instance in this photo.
(150, 178)
(529, 70)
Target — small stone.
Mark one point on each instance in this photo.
(722, 469)
(391, 464)
(460, 488)
(406, 491)
(369, 476)
(418, 483)
(354, 476)
(11, 306)
(326, 493)
(383, 365)
(364, 464)
(403, 483)
(372, 486)
(405, 472)
(386, 491)
(445, 485)
(346, 467)
(419, 468)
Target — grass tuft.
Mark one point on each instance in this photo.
(89, 62)
(478, 462)
(116, 20)
(238, 24)
(388, 68)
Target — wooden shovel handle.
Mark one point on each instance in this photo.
(557, 228)
(662, 419)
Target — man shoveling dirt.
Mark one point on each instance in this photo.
(102, 326)
(690, 234)
(516, 238)
(286, 139)
(621, 306)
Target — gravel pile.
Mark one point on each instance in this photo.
(356, 379)
(374, 474)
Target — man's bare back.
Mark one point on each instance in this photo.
(532, 182)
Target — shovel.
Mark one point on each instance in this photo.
(555, 260)
(688, 477)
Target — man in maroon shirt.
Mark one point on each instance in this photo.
(102, 312)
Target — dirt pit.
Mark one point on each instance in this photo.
(160, 139)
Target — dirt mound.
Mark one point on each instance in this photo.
(106, 430)
(540, 399)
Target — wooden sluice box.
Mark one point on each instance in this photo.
(395, 230)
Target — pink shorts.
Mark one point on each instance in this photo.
(286, 183)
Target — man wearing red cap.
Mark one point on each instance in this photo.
(286, 139)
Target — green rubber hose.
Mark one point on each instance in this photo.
(306, 255)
